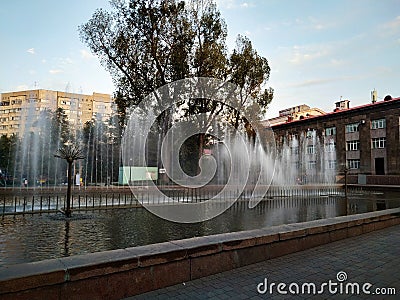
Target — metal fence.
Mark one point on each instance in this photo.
(29, 203)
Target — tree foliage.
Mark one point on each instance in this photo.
(145, 44)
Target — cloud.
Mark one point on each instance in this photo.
(66, 61)
(55, 71)
(302, 54)
(337, 62)
(31, 50)
(233, 4)
(394, 24)
(311, 82)
(44, 61)
(310, 23)
(86, 54)
(21, 87)
(390, 28)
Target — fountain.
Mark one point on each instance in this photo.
(239, 183)
(31, 163)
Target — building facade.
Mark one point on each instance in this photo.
(365, 139)
(299, 112)
(17, 107)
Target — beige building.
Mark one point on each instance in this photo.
(17, 107)
(298, 112)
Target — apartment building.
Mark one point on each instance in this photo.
(16, 108)
(298, 112)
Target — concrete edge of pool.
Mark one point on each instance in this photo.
(121, 273)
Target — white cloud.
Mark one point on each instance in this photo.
(86, 54)
(337, 62)
(247, 33)
(233, 4)
(311, 23)
(44, 61)
(32, 72)
(390, 28)
(55, 71)
(227, 4)
(66, 61)
(302, 54)
(21, 87)
(311, 82)
(31, 50)
(394, 24)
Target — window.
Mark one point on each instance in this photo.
(352, 127)
(353, 163)
(64, 102)
(379, 143)
(310, 149)
(331, 164)
(310, 133)
(294, 150)
(330, 146)
(380, 123)
(330, 131)
(296, 165)
(352, 145)
(311, 164)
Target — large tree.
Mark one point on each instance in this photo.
(145, 44)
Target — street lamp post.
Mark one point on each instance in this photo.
(346, 171)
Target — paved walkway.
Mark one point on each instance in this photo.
(370, 258)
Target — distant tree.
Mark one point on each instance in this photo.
(60, 128)
(7, 152)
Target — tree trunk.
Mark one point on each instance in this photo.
(201, 149)
(69, 175)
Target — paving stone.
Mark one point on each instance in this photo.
(372, 257)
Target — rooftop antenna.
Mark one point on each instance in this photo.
(68, 87)
(374, 96)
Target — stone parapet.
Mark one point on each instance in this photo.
(125, 272)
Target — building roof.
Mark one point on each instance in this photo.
(342, 111)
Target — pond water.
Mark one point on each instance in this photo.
(28, 238)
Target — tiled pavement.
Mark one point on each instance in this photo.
(370, 258)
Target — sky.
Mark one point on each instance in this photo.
(318, 51)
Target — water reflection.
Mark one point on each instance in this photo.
(66, 239)
(37, 237)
